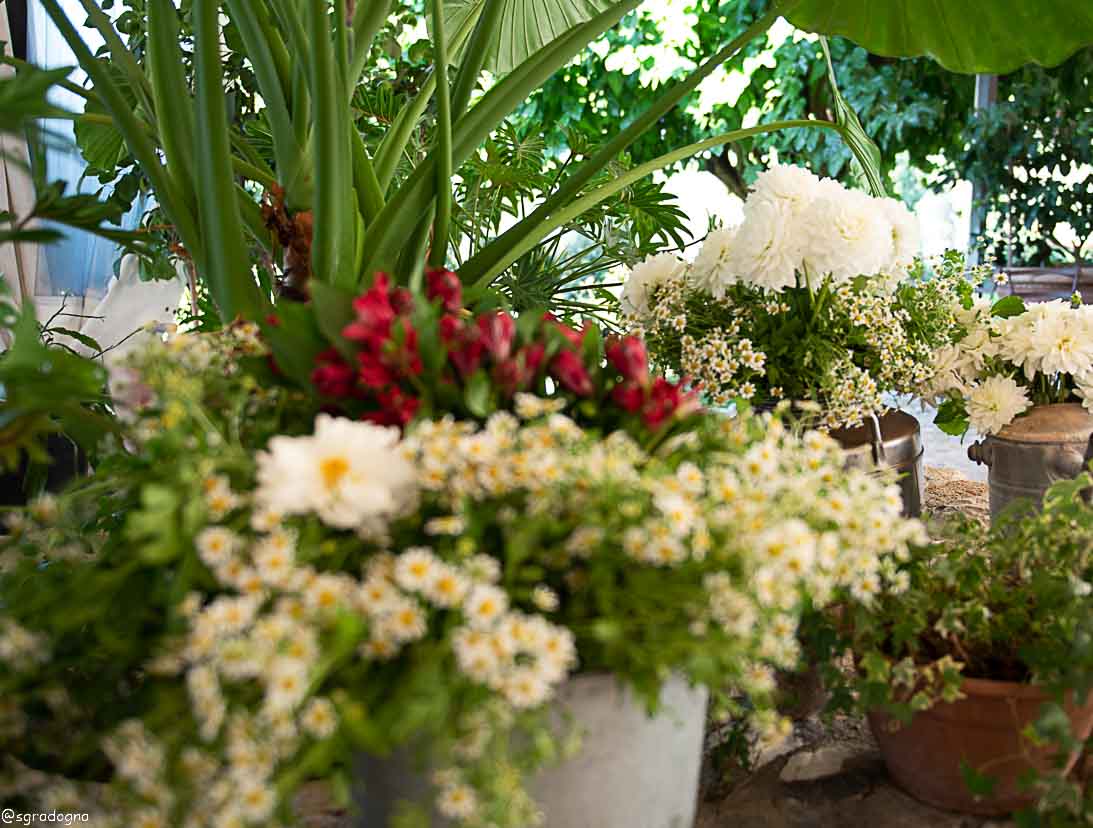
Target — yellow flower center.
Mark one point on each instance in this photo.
(332, 470)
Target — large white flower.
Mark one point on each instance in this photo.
(995, 402)
(1062, 342)
(845, 234)
(1085, 389)
(905, 237)
(351, 474)
(793, 187)
(767, 250)
(645, 278)
(710, 269)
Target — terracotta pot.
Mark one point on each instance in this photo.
(983, 729)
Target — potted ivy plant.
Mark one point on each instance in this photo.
(975, 670)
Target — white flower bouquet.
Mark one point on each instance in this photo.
(1009, 358)
(259, 594)
(816, 296)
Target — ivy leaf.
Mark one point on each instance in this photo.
(978, 783)
(1008, 306)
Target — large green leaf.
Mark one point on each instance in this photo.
(526, 25)
(988, 36)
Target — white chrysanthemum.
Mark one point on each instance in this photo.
(844, 234)
(794, 187)
(1085, 389)
(645, 278)
(767, 248)
(905, 236)
(994, 403)
(349, 473)
(710, 270)
(1062, 342)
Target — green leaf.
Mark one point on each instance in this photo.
(952, 417)
(226, 264)
(333, 311)
(850, 128)
(526, 26)
(1008, 306)
(477, 394)
(978, 783)
(987, 36)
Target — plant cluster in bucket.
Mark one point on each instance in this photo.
(815, 297)
(257, 588)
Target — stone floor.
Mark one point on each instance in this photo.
(825, 776)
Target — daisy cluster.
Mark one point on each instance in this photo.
(845, 346)
(1010, 357)
(749, 524)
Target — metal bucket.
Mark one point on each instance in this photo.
(633, 770)
(893, 441)
(1039, 448)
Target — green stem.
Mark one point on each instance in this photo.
(443, 148)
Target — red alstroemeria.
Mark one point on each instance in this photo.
(375, 313)
(518, 372)
(465, 348)
(373, 371)
(630, 359)
(629, 396)
(574, 336)
(445, 286)
(406, 356)
(667, 401)
(498, 331)
(333, 376)
(568, 369)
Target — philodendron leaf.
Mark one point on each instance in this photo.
(526, 26)
(988, 36)
(852, 132)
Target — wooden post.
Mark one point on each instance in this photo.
(986, 93)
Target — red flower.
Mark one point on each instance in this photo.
(445, 286)
(517, 372)
(667, 401)
(407, 357)
(333, 376)
(465, 348)
(628, 356)
(375, 313)
(629, 396)
(574, 336)
(568, 369)
(373, 371)
(396, 408)
(497, 330)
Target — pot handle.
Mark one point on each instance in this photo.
(980, 452)
(876, 439)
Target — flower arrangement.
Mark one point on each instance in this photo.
(1009, 604)
(1008, 358)
(256, 594)
(815, 297)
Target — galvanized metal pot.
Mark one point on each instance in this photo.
(1039, 448)
(892, 441)
(633, 770)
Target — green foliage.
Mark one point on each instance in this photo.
(47, 388)
(905, 106)
(1031, 153)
